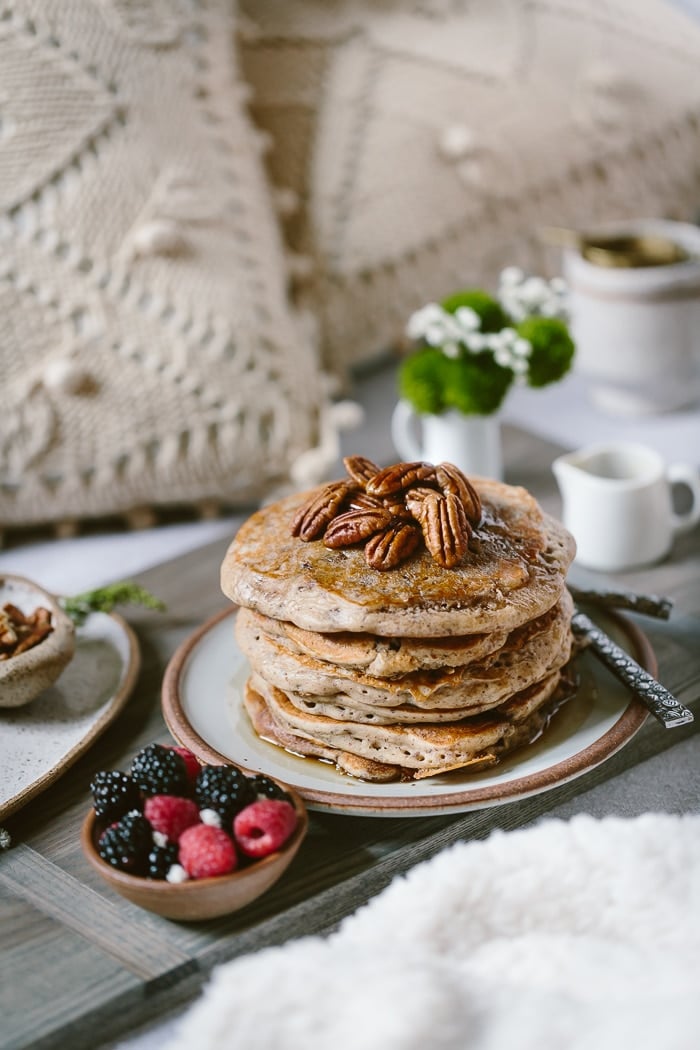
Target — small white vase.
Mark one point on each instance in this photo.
(472, 443)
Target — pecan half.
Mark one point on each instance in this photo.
(360, 469)
(311, 519)
(361, 501)
(416, 497)
(355, 526)
(399, 477)
(389, 548)
(451, 479)
(446, 530)
(21, 631)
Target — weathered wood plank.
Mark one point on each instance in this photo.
(116, 966)
(113, 928)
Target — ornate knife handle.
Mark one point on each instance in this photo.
(662, 704)
(647, 604)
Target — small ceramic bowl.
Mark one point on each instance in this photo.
(24, 676)
(197, 899)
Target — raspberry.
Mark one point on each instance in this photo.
(224, 789)
(170, 814)
(268, 788)
(264, 826)
(191, 764)
(159, 770)
(126, 844)
(206, 851)
(113, 794)
(161, 860)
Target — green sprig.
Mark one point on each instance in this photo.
(105, 599)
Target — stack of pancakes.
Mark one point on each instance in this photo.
(415, 670)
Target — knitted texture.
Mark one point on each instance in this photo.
(148, 352)
(420, 144)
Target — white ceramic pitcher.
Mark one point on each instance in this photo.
(617, 502)
(472, 443)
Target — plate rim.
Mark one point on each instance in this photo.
(631, 719)
(116, 703)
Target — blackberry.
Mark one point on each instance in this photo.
(113, 794)
(267, 788)
(161, 860)
(159, 770)
(225, 789)
(126, 844)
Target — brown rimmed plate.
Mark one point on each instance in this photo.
(202, 706)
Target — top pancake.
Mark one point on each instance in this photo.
(513, 571)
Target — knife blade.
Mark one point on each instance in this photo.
(661, 703)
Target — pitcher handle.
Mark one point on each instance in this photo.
(404, 421)
(685, 474)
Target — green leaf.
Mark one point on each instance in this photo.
(105, 599)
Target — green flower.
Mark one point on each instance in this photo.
(475, 384)
(489, 310)
(475, 346)
(552, 349)
(422, 380)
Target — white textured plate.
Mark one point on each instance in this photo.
(203, 687)
(39, 741)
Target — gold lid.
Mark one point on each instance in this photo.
(632, 251)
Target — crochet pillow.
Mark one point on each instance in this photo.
(148, 352)
(424, 143)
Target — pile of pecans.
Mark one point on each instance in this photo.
(21, 631)
(391, 511)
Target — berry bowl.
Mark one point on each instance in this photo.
(174, 845)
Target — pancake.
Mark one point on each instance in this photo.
(412, 752)
(380, 657)
(513, 571)
(530, 652)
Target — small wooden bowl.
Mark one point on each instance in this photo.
(198, 898)
(27, 675)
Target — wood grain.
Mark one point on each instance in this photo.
(81, 966)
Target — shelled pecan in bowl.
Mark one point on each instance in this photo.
(21, 631)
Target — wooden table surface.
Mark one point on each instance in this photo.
(80, 966)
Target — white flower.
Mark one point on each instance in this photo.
(522, 347)
(478, 341)
(534, 290)
(468, 319)
(511, 275)
(421, 320)
(523, 297)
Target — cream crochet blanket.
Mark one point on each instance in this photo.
(573, 935)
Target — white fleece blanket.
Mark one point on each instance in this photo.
(576, 935)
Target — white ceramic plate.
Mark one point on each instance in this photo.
(202, 706)
(39, 741)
